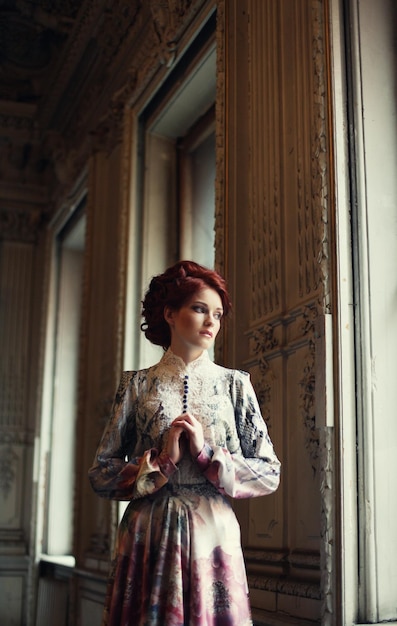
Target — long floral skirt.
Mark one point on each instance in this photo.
(178, 562)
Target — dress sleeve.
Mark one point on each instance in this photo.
(113, 474)
(252, 469)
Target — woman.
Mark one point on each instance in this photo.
(183, 435)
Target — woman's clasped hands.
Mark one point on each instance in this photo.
(185, 431)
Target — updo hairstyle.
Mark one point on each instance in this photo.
(174, 288)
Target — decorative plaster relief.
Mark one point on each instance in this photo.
(264, 202)
(31, 37)
(166, 15)
(328, 575)
(158, 47)
(220, 123)
(64, 159)
(170, 17)
(283, 586)
(308, 387)
(89, 15)
(109, 131)
(321, 192)
(16, 124)
(119, 19)
(12, 498)
(8, 466)
(288, 204)
(320, 148)
(263, 342)
(12, 595)
(22, 163)
(16, 436)
(99, 544)
(18, 225)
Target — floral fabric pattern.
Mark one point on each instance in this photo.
(178, 558)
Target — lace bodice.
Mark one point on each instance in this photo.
(222, 399)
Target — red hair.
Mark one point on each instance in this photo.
(174, 288)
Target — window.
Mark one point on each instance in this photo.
(58, 428)
(178, 168)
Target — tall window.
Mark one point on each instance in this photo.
(58, 431)
(178, 168)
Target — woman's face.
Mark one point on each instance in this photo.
(196, 324)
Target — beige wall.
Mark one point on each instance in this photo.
(277, 253)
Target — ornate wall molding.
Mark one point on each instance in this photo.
(157, 44)
(11, 124)
(321, 185)
(13, 436)
(321, 139)
(16, 272)
(308, 386)
(263, 342)
(150, 34)
(220, 121)
(167, 16)
(265, 184)
(328, 529)
(109, 132)
(99, 544)
(286, 587)
(20, 225)
(23, 164)
(82, 32)
(8, 469)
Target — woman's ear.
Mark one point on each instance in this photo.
(169, 315)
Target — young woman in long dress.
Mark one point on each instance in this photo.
(182, 436)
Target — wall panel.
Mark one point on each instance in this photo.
(17, 415)
(12, 589)
(277, 266)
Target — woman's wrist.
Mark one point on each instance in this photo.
(204, 457)
(167, 465)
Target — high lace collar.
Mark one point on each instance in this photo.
(177, 364)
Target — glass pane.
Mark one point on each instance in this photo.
(203, 201)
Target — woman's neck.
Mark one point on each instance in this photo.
(187, 355)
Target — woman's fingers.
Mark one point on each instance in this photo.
(185, 419)
(193, 429)
(176, 443)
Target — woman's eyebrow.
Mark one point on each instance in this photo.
(218, 308)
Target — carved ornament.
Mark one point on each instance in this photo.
(264, 341)
(66, 161)
(18, 124)
(31, 37)
(15, 436)
(320, 163)
(168, 16)
(8, 468)
(220, 209)
(99, 544)
(288, 587)
(109, 131)
(18, 225)
(308, 388)
(328, 514)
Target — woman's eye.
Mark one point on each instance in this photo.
(218, 316)
(198, 308)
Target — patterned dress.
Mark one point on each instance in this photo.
(178, 558)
